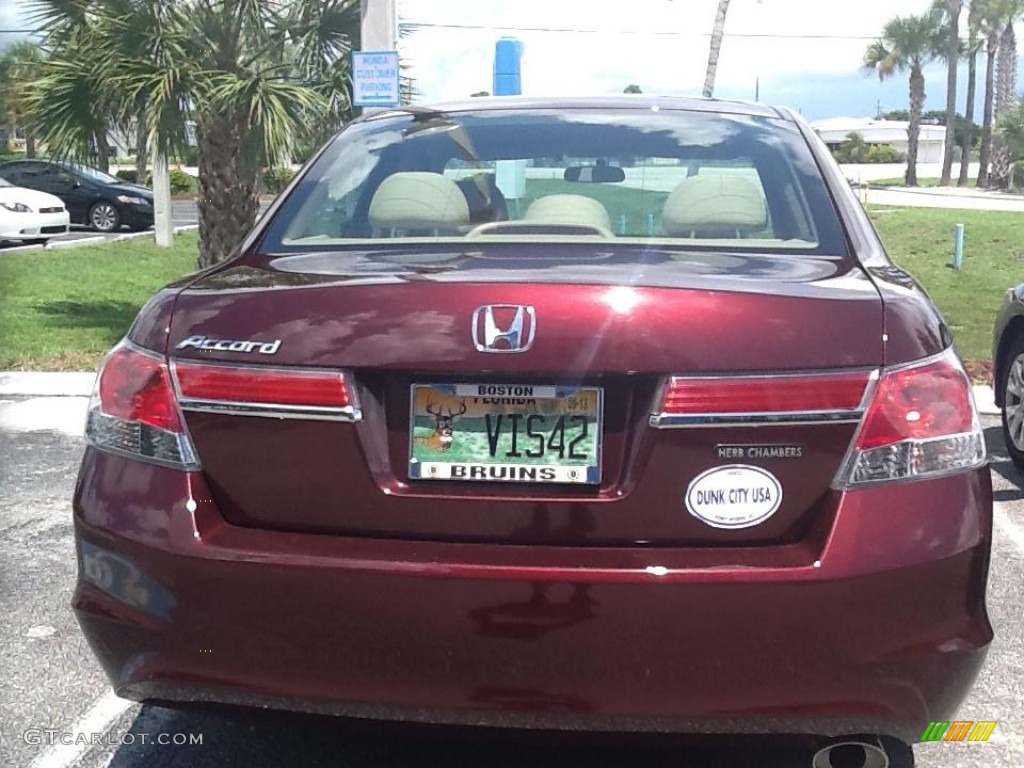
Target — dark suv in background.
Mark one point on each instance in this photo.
(92, 197)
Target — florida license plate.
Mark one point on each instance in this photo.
(509, 433)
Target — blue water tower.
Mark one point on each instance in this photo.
(508, 52)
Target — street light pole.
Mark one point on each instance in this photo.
(378, 25)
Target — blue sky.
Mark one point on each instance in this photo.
(807, 55)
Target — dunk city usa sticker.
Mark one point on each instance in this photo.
(734, 496)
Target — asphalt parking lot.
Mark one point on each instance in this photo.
(51, 682)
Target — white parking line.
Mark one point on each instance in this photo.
(1007, 527)
(97, 719)
(59, 243)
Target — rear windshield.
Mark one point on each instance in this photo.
(697, 180)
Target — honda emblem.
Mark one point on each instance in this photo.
(504, 328)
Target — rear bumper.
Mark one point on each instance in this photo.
(885, 633)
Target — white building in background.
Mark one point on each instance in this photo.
(930, 144)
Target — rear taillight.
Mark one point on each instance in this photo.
(773, 399)
(134, 413)
(921, 422)
(264, 391)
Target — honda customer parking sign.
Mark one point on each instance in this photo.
(375, 79)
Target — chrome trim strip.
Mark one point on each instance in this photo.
(673, 421)
(272, 410)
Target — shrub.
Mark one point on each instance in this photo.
(276, 179)
(181, 182)
(882, 153)
(853, 149)
(129, 175)
(1018, 174)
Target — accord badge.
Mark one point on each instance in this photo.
(204, 344)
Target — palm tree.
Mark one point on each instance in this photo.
(994, 16)
(972, 48)
(19, 62)
(985, 150)
(948, 13)
(907, 44)
(716, 48)
(1005, 96)
(255, 76)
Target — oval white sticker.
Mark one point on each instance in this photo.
(734, 496)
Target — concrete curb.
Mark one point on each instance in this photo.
(94, 240)
(986, 400)
(79, 384)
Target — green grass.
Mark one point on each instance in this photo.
(921, 241)
(62, 309)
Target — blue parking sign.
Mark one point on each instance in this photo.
(375, 79)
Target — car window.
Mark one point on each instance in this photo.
(37, 173)
(95, 174)
(703, 180)
(14, 172)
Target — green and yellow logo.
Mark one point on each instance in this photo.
(959, 730)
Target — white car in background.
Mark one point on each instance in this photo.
(29, 215)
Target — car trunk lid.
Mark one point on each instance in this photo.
(621, 329)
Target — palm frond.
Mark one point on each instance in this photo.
(58, 19)
(1010, 128)
(274, 109)
(322, 34)
(63, 109)
(904, 41)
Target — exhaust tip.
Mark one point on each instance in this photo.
(851, 753)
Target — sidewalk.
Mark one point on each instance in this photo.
(45, 384)
(46, 402)
(943, 197)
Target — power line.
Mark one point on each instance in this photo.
(415, 25)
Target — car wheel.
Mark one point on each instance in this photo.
(103, 216)
(1012, 379)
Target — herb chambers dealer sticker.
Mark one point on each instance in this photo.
(734, 496)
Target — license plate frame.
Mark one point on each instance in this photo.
(578, 437)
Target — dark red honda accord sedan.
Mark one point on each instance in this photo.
(605, 414)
